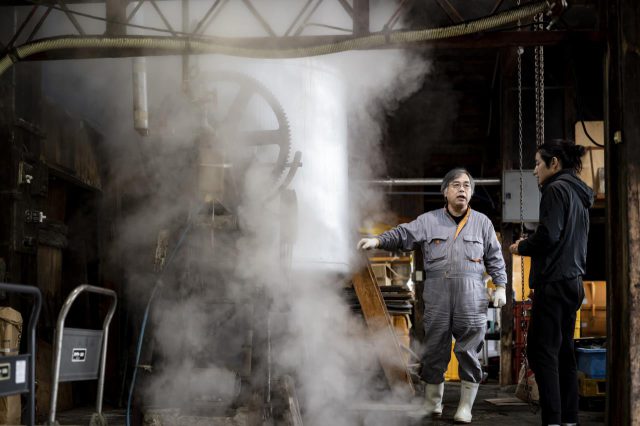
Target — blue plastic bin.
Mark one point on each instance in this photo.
(592, 362)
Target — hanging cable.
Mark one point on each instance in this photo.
(145, 317)
(593, 141)
(578, 105)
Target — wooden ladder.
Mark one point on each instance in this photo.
(386, 343)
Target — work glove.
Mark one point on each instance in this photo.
(499, 297)
(368, 243)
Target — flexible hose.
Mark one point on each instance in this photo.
(145, 318)
(143, 327)
(184, 45)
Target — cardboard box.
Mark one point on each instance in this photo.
(593, 314)
(594, 158)
(10, 333)
(595, 293)
(10, 330)
(593, 323)
(516, 269)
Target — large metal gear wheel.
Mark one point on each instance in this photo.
(234, 99)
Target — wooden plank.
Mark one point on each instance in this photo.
(506, 402)
(622, 157)
(43, 390)
(86, 161)
(50, 271)
(385, 340)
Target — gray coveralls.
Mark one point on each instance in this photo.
(455, 296)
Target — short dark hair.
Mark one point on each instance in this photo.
(454, 173)
(566, 151)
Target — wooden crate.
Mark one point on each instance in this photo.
(588, 388)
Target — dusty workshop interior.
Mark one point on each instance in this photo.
(183, 184)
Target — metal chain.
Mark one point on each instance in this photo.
(536, 79)
(520, 138)
(539, 124)
(523, 327)
(539, 82)
(524, 365)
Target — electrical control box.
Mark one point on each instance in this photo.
(511, 196)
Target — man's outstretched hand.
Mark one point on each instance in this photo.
(368, 243)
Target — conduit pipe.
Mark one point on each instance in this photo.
(140, 94)
(185, 45)
(428, 182)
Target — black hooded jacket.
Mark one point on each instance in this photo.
(558, 248)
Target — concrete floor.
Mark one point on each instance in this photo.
(372, 414)
(486, 414)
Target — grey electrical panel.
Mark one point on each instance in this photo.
(511, 196)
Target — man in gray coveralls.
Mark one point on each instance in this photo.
(458, 244)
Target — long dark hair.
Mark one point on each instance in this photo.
(569, 154)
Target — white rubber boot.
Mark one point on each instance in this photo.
(433, 399)
(468, 392)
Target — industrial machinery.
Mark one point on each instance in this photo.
(207, 352)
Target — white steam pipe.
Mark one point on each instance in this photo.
(139, 80)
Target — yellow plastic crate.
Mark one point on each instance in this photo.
(591, 387)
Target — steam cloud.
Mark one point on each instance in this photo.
(224, 289)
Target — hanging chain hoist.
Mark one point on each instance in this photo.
(524, 364)
(539, 127)
(539, 81)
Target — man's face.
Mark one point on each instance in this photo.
(458, 192)
(544, 172)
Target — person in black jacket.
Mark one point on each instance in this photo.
(558, 250)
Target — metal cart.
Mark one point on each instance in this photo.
(18, 372)
(81, 354)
